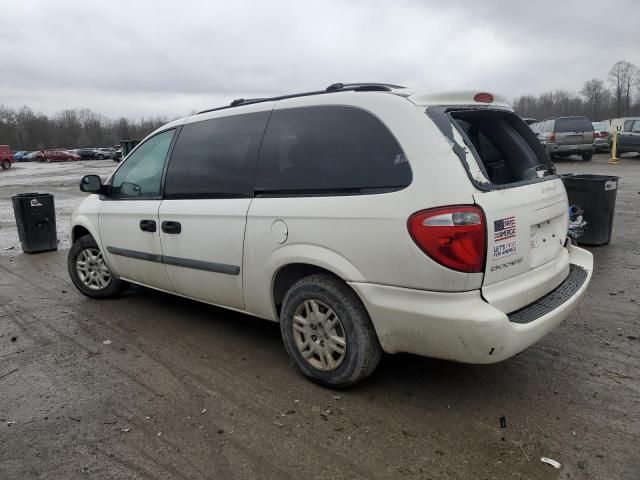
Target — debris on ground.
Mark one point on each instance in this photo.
(107, 342)
(337, 397)
(125, 430)
(278, 424)
(550, 461)
(204, 410)
(13, 339)
(9, 373)
(10, 423)
(503, 422)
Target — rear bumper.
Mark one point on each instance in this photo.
(462, 326)
(569, 149)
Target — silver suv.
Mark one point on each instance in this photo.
(564, 136)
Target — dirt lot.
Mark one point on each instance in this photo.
(184, 390)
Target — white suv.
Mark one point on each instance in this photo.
(364, 218)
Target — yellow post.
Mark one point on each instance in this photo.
(614, 147)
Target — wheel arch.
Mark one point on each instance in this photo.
(298, 261)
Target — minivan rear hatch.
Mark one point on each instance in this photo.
(524, 202)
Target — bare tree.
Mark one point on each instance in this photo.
(595, 93)
(621, 77)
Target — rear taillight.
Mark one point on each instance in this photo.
(452, 236)
(552, 137)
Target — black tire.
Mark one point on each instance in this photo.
(114, 286)
(362, 352)
(6, 164)
(100, 157)
(587, 156)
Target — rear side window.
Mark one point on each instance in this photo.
(216, 158)
(573, 124)
(329, 149)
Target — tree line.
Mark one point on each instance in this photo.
(23, 129)
(618, 96)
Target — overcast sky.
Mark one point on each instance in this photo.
(145, 58)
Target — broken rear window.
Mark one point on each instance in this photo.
(499, 142)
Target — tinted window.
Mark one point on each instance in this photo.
(216, 158)
(141, 174)
(636, 127)
(628, 125)
(329, 149)
(573, 124)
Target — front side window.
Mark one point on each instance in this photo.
(216, 158)
(141, 174)
(636, 127)
(329, 149)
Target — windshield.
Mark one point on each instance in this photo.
(600, 126)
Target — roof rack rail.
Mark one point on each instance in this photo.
(335, 87)
(364, 86)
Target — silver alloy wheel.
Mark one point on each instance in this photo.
(92, 270)
(319, 335)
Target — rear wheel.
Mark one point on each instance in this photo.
(89, 272)
(327, 332)
(100, 157)
(587, 156)
(6, 164)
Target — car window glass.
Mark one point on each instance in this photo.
(141, 174)
(573, 124)
(636, 127)
(216, 158)
(329, 149)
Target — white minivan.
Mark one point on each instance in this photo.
(364, 218)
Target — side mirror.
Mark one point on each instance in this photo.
(91, 184)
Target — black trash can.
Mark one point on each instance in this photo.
(36, 219)
(596, 195)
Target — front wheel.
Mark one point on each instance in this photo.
(89, 272)
(6, 164)
(327, 332)
(100, 157)
(587, 156)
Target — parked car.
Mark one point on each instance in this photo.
(19, 155)
(86, 153)
(102, 153)
(35, 156)
(6, 157)
(629, 136)
(58, 155)
(564, 136)
(600, 136)
(363, 218)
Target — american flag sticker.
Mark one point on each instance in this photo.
(504, 229)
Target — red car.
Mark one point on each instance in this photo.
(59, 155)
(6, 157)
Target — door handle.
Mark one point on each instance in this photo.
(148, 225)
(171, 227)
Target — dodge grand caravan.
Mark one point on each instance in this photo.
(364, 218)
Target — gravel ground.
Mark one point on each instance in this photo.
(154, 386)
